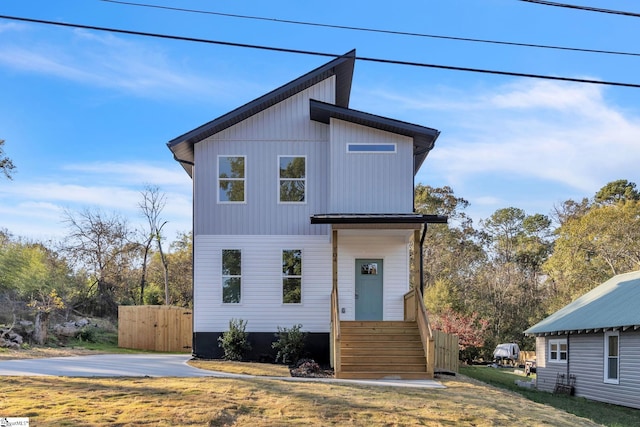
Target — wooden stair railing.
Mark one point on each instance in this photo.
(414, 310)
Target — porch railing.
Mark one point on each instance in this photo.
(335, 333)
(415, 311)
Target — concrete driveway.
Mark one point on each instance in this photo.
(106, 365)
(154, 365)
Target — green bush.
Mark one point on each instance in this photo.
(235, 341)
(290, 344)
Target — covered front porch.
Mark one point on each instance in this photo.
(379, 325)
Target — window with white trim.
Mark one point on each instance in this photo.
(558, 350)
(612, 357)
(231, 276)
(292, 179)
(292, 276)
(231, 179)
(359, 147)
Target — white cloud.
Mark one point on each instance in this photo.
(558, 132)
(134, 67)
(36, 209)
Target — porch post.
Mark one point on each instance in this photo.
(334, 267)
(415, 273)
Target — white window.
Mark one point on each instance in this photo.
(292, 276)
(371, 148)
(558, 350)
(231, 179)
(231, 276)
(612, 357)
(292, 179)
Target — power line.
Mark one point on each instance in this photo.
(373, 30)
(587, 8)
(315, 53)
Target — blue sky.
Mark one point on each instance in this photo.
(86, 115)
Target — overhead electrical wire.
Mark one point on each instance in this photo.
(587, 8)
(374, 30)
(315, 53)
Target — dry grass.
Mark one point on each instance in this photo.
(57, 401)
(39, 352)
(246, 368)
(62, 401)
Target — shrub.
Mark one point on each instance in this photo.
(88, 333)
(290, 344)
(235, 342)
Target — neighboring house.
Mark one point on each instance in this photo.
(596, 338)
(295, 194)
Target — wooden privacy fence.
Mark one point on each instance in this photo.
(155, 327)
(447, 351)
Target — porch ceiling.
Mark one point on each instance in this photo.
(378, 221)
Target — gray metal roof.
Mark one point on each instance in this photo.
(423, 137)
(613, 304)
(341, 67)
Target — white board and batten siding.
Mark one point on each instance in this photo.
(392, 248)
(284, 129)
(357, 180)
(586, 362)
(261, 289)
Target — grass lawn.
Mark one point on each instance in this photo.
(602, 413)
(59, 401)
(63, 401)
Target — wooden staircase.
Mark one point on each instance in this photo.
(381, 350)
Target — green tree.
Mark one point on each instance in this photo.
(451, 253)
(591, 248)
(513, 293)
(616, 192)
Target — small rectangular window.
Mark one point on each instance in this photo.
(292, 276)
(292, 179)
(371, 148)
(231, 179)
(231, 276)
(611, 357)
(558, 351)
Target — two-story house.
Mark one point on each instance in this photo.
(296, 197)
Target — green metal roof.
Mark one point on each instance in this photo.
(613, 304)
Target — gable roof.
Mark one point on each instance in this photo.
(341, 67)
(423, 137)
(613, 304)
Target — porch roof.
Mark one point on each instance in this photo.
(396, 220)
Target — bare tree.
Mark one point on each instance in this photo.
(6, 165)
(152, 205)
(101, 244)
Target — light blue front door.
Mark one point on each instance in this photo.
(368, 289)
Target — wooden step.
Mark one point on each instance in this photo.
(376, 350)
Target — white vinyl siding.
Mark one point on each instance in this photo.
(369, 182)
(392, 248)
(586, 362)
(284, 128)
(262, 305)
